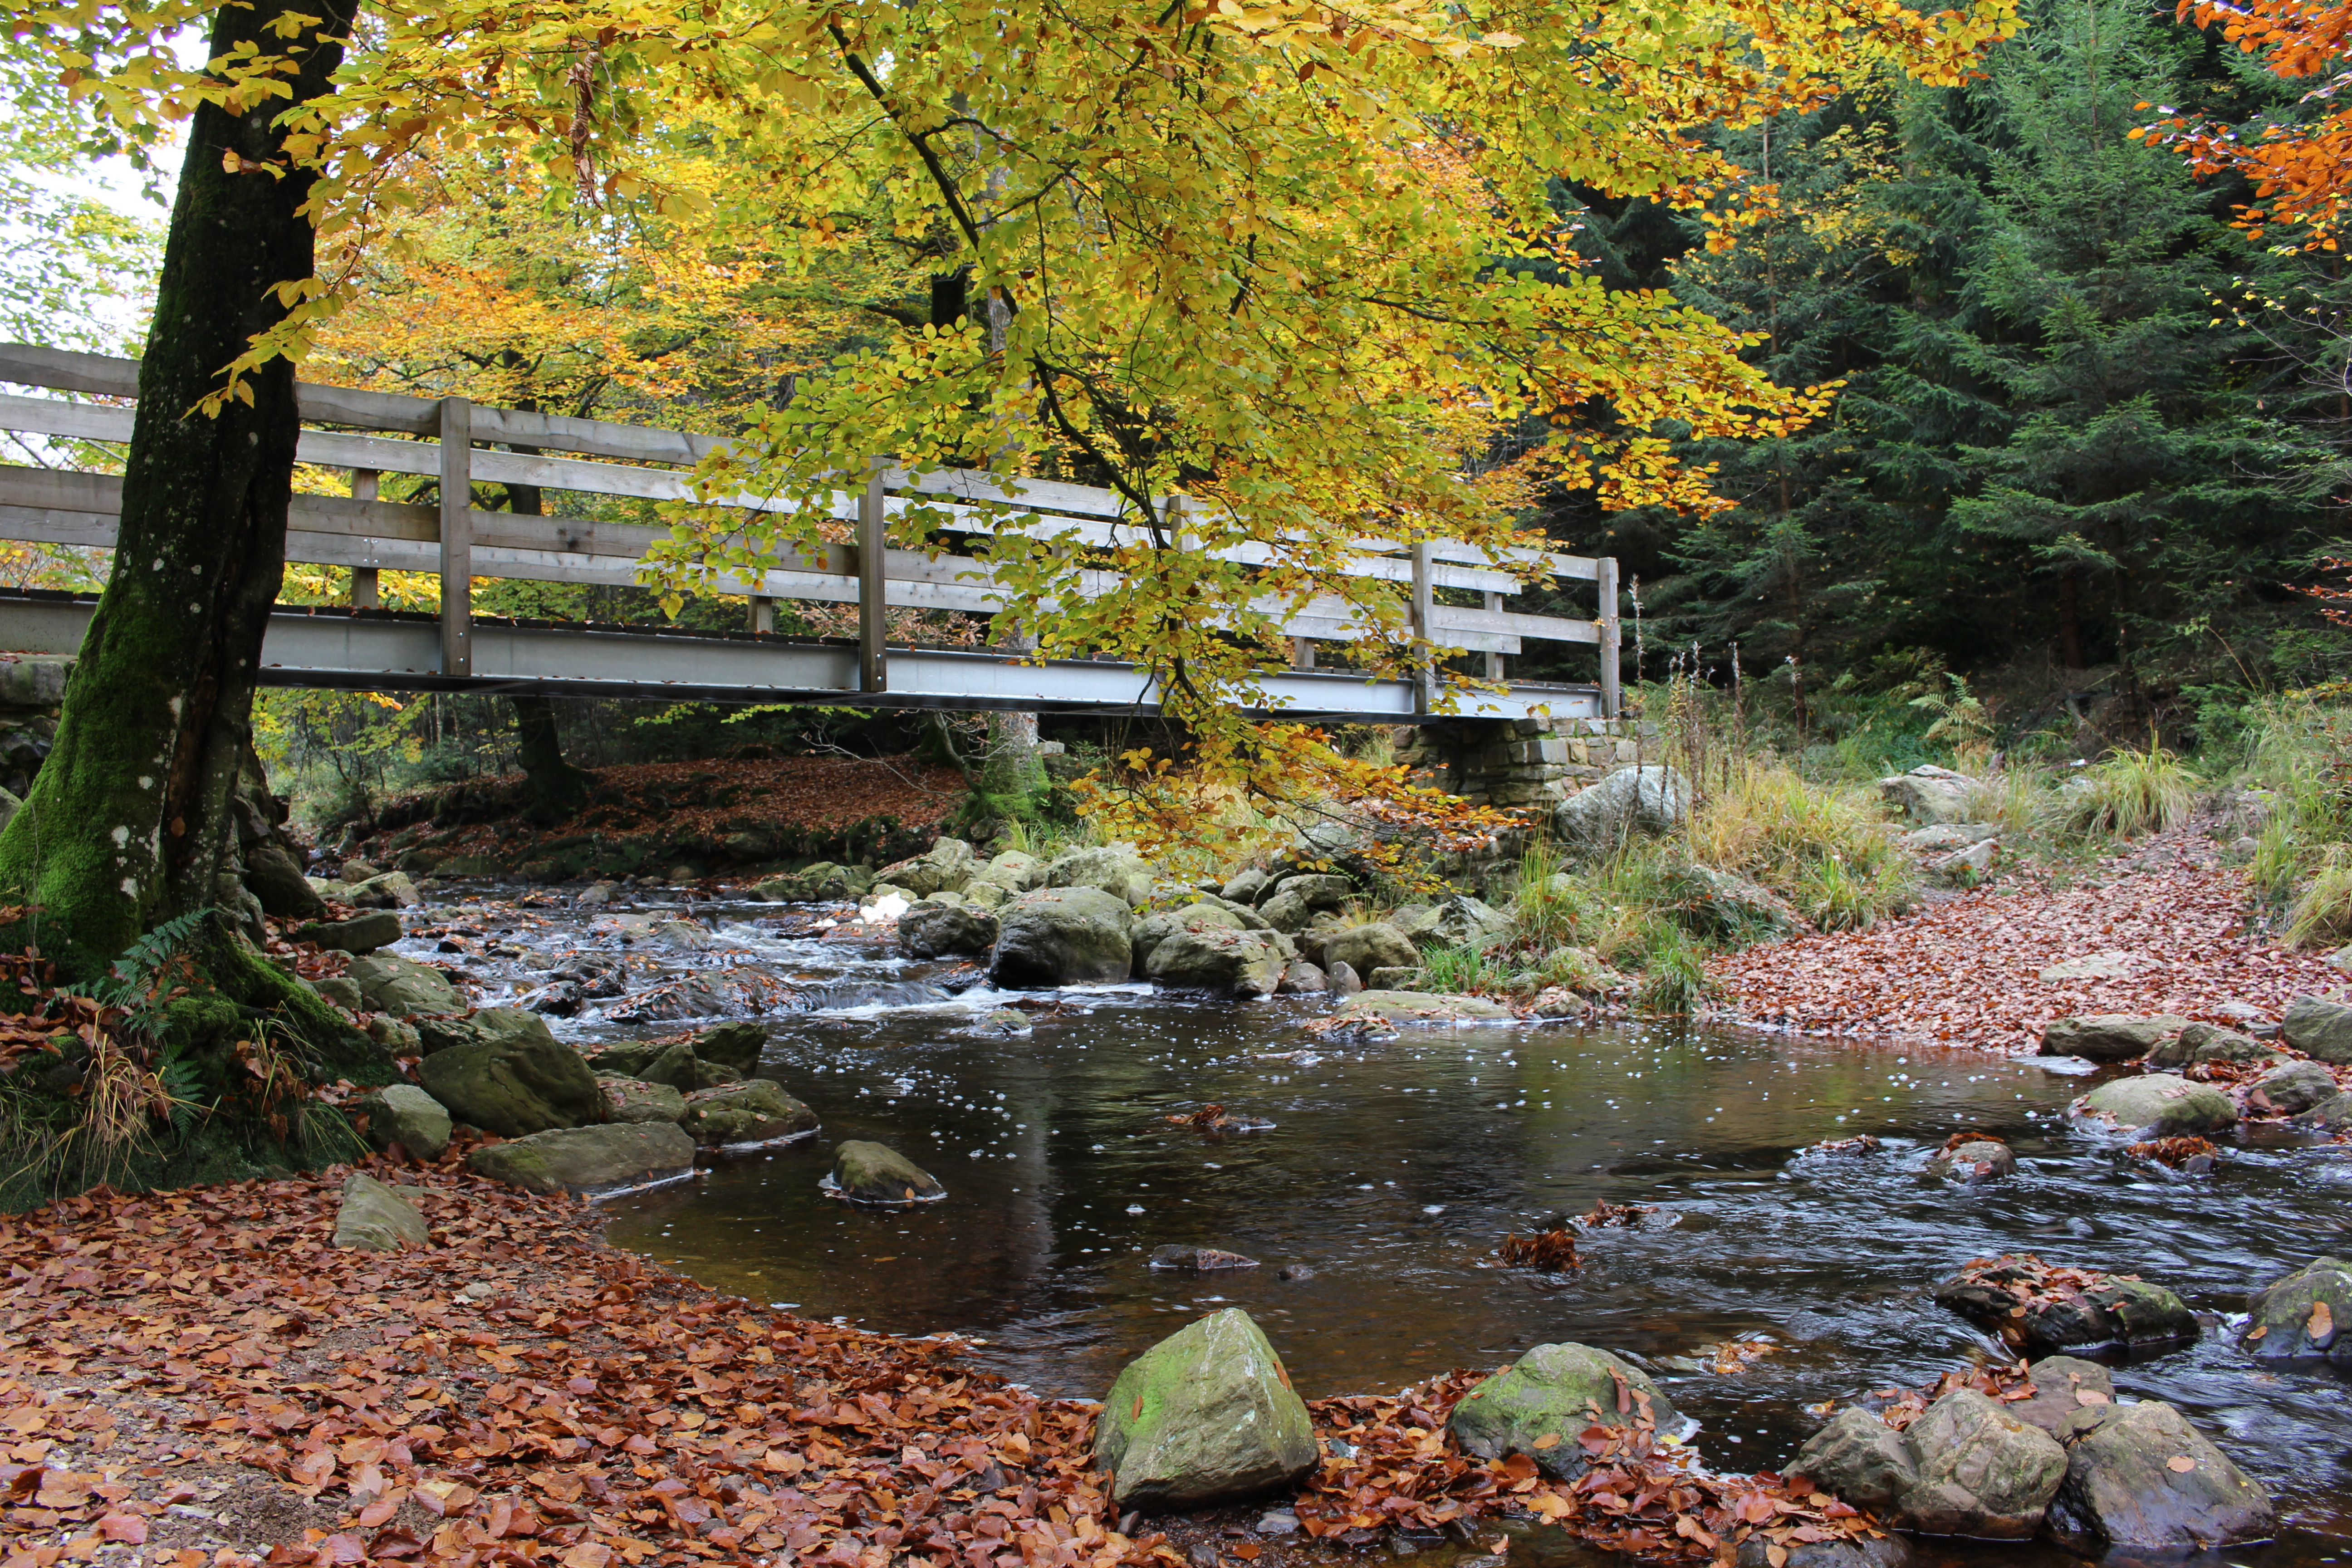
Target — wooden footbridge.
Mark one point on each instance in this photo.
(460, 444)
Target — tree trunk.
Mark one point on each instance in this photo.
(128, 822)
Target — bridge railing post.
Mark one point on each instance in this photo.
(457, 432)
(1606, 577)
(1424, 656)
(873, 563)
(366, 593)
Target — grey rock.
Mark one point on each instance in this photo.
(1721, 904)
(388, 890)
(2071, 1395)
(755, 1112)
(681, 1070)
(1009, 1022)
(1245, 885)
(404, 1114)
(2320, 1028)
(871, 1173)
(1860, 1459)
(1246, 963)
(1016, 870)
(343, 992)
(1931, 796)
(1982, 1161)
(1303, 979)
(1982, 1471)
(1200, 1259)
(514, 1087)
(1153, 929)
(1365, 948)
(482, 1026)
(595, 1160)
(2206, 1043)
(402, 986)
(933, 929)
(2283, 1318)
(2109, 1037)
(1962, 867)
(360, 934)
(634, 1099)
(2164, 1105)
(276, 879)
(1294, 901)
(2117, 964)
(2125, 1488)
(1945, 838)
(739, 1046)
(1852, 1552)
(1631, 803)
(1422, 1007)
(1345, 981)
(1061, 936)
(1458, 919)
(2016, 1299)
(946, 867)
(1114, 868)
(1539, 1404)
(2297, 1086)
(1205, 1417)
(373, 1217)
(2329, 1115)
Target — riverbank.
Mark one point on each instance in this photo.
(202, 1377)
(2161, 927)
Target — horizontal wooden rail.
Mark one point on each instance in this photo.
(592, 457)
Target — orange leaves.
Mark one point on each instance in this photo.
(2302, 173)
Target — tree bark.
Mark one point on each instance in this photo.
(128, 822)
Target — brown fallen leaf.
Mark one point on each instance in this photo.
(2180, 1464)
(2322, 1327)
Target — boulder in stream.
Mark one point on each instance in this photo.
(931, 928)
(613, 1158)
(2070, 1396)
(1303, 979)
(1422, 1007)
(2160, 1105)
(2292, 1087)
(2144, 1479)
(1539, 1404)
(739, 1046)
(514, 1088)
(2303, 1316)
(755, 1112)
(1364, 948)
(945, 867)
(1973, 1159)
(1205, 1417)
(1061, 936)
(2109, 1037)
(1152, 930)
(1246, 963)
(2039, 1309)
(2320, 1028)
(482, 1026)
(2209, 1043)
(389, 890)
(1982, 1471)
(634, 1099)
(867, 1172)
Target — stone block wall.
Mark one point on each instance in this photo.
(1522, 763)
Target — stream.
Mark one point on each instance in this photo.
(1396, 1165)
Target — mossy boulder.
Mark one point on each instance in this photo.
(1295, 900)
(2303, 1316)
(2320, 1028)
(867, 1172)
(1422, 1007)
(402, 986)
(482, 1026)
(2144, 1479)
(1061, 936)
(738, 1045)
(935, 928)
(1982, 1471)
(1246, 963)
(514, 1087)
(628, 1056)
(1205, 1417)
(2110, 1037)
(1539, 1404)
(2161, 1104)
(276, 877)
(404, 1114)
(360, 935)
(391, 890)
(757, 1111)
(1860, 1459)
(1364, 948)
(1114, 868)
(2039, 1310)
(1154, 928)
(634, 1099)
(605, 1159)
(945, 867)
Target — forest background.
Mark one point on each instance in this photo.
(2086, 450)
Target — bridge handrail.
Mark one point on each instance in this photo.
(368, 535)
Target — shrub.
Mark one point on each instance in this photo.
(2129, 793)
(1675, 982)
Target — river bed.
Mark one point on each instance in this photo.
(1394, 1166)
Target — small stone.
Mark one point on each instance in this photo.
(2305, 1315)
(1859, 1459)
(757, 1111)
(873, 1173)
(1982, 1160)
(1303, 979)
(1294, 1271)
(373, 1217)
(2038, 1311)
(1345, 981)
(343, 992)
(1200, 1259)
(2118, 964)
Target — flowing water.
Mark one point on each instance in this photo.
(1394, 1166)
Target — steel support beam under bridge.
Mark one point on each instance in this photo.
(333, 647)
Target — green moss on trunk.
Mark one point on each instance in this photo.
(129, 821)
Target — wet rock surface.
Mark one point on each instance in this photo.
(1542, 1402)
(1205, 1417)
(2040, 1309)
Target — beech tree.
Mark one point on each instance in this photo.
(1292, 262)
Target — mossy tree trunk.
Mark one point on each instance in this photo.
(130, 821)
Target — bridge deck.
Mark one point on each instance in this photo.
(388, 650)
